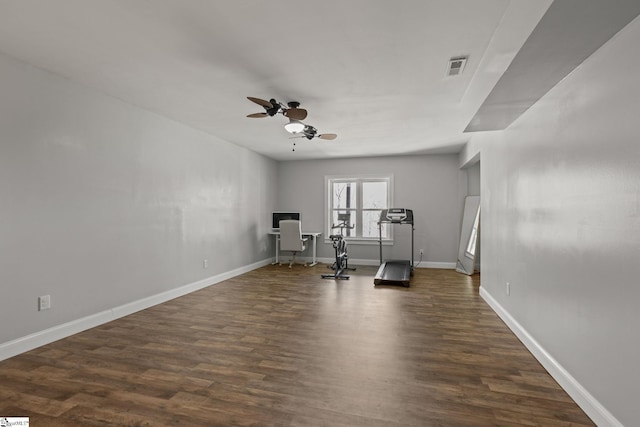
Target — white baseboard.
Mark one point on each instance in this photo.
(443, 265)
(589, 404)
(40, 338)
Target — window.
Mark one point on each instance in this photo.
(354, 205)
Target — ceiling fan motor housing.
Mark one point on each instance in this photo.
(274, 108)
(309, 131)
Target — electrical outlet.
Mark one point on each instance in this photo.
(205, 263)
(508, 288)
(44, 302)
(421, 251)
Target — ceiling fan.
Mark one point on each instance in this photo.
(273, 107)
(294, 114)
(310, 132)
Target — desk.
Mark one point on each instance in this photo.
(314, 242)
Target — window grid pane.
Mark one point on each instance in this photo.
(370, 220)
(374, 195)
(344, 195)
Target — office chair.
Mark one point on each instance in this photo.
(291, 238)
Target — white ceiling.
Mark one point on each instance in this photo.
(372, 71)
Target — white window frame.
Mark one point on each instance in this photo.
(329, 180)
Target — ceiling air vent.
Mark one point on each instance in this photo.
(456, 65)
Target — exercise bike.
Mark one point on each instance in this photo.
(340, 246)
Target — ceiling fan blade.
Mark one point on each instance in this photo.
(257, 115)
(329, 136)
(295, 113)
(259, 101)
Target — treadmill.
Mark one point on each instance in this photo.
(395, 272)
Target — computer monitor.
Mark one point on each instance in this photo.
(279, 216)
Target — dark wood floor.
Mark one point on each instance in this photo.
(284, 347)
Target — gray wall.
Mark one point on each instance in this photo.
(561, 223)
(103, 203)
(432, 185)
(473, 179)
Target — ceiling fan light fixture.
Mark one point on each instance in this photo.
(294, 126)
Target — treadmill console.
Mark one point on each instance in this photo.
(397, 215)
